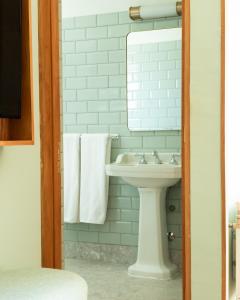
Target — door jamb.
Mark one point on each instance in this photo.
(49, 89)
(223, 192)
(186, 205)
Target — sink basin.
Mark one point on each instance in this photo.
(145, 175)
(152, 181)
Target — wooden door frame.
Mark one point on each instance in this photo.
(50, 138)
(186, 203)
(49, 89)
(223, 191)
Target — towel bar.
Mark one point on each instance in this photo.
(115, 136)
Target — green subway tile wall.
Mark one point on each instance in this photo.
(94, 100)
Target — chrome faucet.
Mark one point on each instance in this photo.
(173, 160)
(142, 160)
(156, 158)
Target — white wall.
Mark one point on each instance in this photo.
(73, 8)
(232, 116)
(205, 150)
(20, 235)
(232, 102)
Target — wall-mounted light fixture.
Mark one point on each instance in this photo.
(155, 11)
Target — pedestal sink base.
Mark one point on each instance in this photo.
(153, 257)
(153, 272)
(152, 181)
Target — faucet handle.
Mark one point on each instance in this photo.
(156, 157)
(173, 160)
(142, 160)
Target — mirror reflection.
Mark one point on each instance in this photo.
(154, 67)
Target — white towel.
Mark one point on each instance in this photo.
(71, 154)
(95, 154)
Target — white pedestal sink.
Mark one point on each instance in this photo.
(152, 181)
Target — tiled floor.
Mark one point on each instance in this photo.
(111, 282)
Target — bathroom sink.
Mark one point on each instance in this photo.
(152, 174)
(145, 175)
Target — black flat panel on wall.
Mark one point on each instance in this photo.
(10, 58)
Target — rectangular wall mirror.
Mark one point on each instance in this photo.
(154, 67)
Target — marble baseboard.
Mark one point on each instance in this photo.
(101, 252)
(109, 253)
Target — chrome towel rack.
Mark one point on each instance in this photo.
(113, 136)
